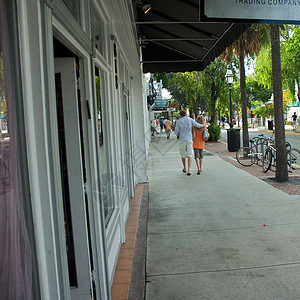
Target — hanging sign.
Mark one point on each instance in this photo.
(256, 11)
(159, 102)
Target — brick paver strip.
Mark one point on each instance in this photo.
(291, 187)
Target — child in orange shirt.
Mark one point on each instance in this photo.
(199, 143)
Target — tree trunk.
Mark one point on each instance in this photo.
(281, 157)
(244, 102)
(213, 103)
(213, 113)
(195, 109)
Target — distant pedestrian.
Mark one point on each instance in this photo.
(168, 127)
(153, 127)
(254, 121)
(161, 122)
(199, 143)
(184, 130)
(294, 120)
(223, 121)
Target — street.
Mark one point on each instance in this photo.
(293, 139)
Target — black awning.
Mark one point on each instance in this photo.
(174, 39)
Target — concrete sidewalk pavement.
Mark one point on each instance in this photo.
(291, 187)
(224, 234)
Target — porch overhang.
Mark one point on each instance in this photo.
(174, 36)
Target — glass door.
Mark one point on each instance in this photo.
(73, 178)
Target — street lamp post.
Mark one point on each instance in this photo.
(229, 80)
(233, 135)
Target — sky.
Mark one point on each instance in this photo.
(165, 93)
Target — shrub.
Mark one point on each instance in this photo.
(214, 131)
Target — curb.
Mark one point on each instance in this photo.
(287, 132)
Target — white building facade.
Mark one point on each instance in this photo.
(77, 138)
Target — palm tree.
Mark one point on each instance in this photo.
(281, 157)
(249, 44)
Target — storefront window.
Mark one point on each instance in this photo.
(97, 28)
(15, 248)
(4, 135)
(106, 178)
(73, 6)
(99, 110)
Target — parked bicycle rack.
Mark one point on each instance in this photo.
(263, 146)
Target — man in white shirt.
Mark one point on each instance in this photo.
(184, 129)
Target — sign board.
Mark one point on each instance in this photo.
(256, 11)
(160, 109)
(173, 105)
(159, 102)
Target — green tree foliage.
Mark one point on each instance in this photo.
(186, 89)
(214, 131)
(263, 68)
(290, 62)
(171, 84)
(262, 110)
(217, 90)
(190, 85)
(162, 77)
(204, 91)
(290, 57)
(256, 91)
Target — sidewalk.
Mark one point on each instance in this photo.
(206, 235)
(224, 234)
(291, 187)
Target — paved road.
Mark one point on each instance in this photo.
(293, 139)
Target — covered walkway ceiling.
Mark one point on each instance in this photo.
(174, 37)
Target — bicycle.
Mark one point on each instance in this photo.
(270, 157)
(263, 152)
(295, 156)
(247, 156)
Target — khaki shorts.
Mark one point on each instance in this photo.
(186, 148)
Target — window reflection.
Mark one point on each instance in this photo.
(73, 6)
(107, 180)
(5, 171)
(97, 28)
(15, 247)
(99, 110)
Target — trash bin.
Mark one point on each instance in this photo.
(233, 139)
(270, 125)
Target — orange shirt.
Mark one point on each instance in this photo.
(198, 141)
